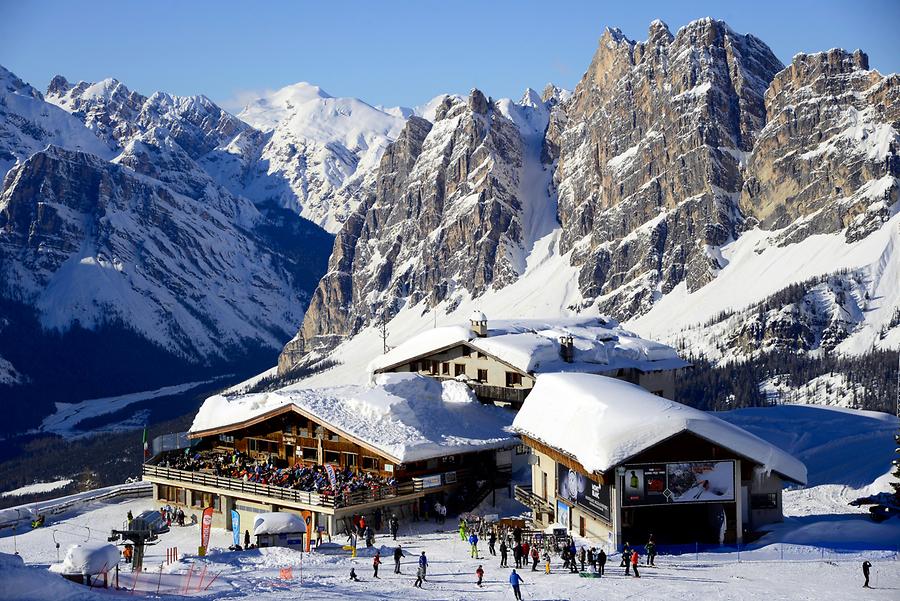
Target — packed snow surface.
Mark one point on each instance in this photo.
(278, 522)
(407, 416)
(38, 487)
(603, 422)
(533, 345)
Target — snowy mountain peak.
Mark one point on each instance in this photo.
(267, 111)
(531, 98)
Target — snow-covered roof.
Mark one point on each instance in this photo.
(406, 417)
(532, 345)
(90, 558)
(477, 316)
(603, 422)
(278, 522)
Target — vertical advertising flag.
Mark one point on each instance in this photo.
(329, 469)
(236, 527)
(146, 447)
(205, 526)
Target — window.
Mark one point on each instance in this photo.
(226, 438)
(370, 463)
(258, 445)
(287, 429)
(332, 457)
(202, 500)
(445, 369)
(414, 366)
(513, 378)
(434, 368)
(458, 369)
(310, 454)
(350, 459)
(249, 508)
(172, 494)
(482, 375)
(466, 351)
(481, 355)
(765, 501)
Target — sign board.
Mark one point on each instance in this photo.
(206, 526)
(577, 489)
(563, 515)
(450, 478)
(684, 482)
(236, 527)
(431, 481)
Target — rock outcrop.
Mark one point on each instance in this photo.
(829, 157)
(649, 158)
(445, 216)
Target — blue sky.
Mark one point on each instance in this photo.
(391, 53)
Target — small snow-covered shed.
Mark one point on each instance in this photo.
(279, 529)
(619, 463)
(86, 561)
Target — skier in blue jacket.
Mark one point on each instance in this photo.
(515, 580)
(473, 540)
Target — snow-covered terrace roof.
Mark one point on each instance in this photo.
(532, 346)
(405, 417)
(603, 422)
(278, 522)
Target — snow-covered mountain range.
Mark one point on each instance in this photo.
(692, 186)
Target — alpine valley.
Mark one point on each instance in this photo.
(691, 186)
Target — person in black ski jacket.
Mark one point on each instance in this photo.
(246, 538)
(492, 540)
(601, 561)
(503, 553)
(866, 567)
(398, 555)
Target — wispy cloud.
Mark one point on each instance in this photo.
(242, 97)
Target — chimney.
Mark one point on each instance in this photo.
(567, 348)
(479, 323)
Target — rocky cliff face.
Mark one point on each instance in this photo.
(649, 161)
(446, 216)
(666, 156)
(828, 158)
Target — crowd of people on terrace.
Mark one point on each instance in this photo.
(302, 476)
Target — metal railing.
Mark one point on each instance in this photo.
(524, 495)
(344, 499)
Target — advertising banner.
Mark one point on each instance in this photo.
(685, 482)
(205, 526)
(708, 481)
(236, 527)
(578, 489)
(332, 477)
(431, 481)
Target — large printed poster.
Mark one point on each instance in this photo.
(685, 482)
(580, 490)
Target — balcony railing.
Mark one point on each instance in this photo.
(499, 393)
(525, 496)
(350, 499)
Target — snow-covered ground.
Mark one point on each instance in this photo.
(797, 560)
(64, 421)
(37, 487)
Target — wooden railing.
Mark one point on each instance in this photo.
(358, 497)
(500, 393)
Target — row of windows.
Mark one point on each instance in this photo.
(334, 457)
(513, 378)
(178, 495)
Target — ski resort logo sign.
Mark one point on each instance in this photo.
(683, 482)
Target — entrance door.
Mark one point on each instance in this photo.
(289, 454)
(581, 525)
